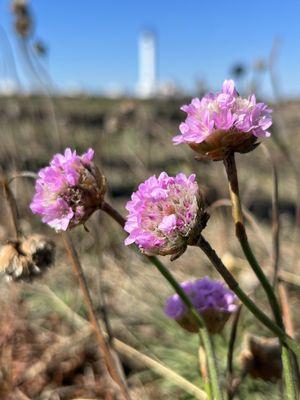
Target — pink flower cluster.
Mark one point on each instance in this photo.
(162, 212)
(60, 194)
(224, 111)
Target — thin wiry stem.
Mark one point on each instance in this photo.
(22, 174)
(103, 305)
(32, 70)
(203, 370)
(231, 282)
(241, 234)
(233, 333)
(281, 138)
(13, 208)
(127, 351)
(286, 310)
(103, 349)
(275, 217)
(252, 307)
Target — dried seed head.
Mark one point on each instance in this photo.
(8, 254)
(23, 18)
(261, 358)
(40, 249)
(40, 48)
(26, 258)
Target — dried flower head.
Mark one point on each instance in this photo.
(224, 122)
(26, 258)
(40, 249)
(212, 299)
(163, 214)
(261, 358)
(23, 17)
(69, 190)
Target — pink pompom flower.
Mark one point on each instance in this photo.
(214, 302)
(69, 190)
(224, 122)
(163, 214)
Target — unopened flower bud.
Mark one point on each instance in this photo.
(224, 123)
(69, 190)
(261, 358)
(214, 302)
(165, 214)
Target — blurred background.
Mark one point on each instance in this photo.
(112, 76)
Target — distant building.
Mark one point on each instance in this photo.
(8, 87)
(147, 83)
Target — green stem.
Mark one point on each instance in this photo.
(241, 234)
(216, 261)
(290, 384)
(234, 286)
(286, 359)
(204, 371)
(261, 276)
(207, 389)
(203, 333)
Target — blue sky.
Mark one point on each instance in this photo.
(93, 43)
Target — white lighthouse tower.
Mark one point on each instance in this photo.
(147, 84)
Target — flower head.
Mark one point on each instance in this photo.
(224, 122)
(162, 213)
(69, 190)
(211, 299)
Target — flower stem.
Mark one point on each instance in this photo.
(289, 380)
(204, 371)
(240, 230)
(232, 340)
(241, 234)
(203, 333)
(234, 286)
(104, 351)
(231, 282)
(13, 208)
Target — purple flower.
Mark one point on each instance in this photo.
(162, 212)
(224, 122)
(68, 190)
(211, 299)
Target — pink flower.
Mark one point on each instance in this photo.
(212, 300)
(68, 190)
(162, 212)
(224, 122)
